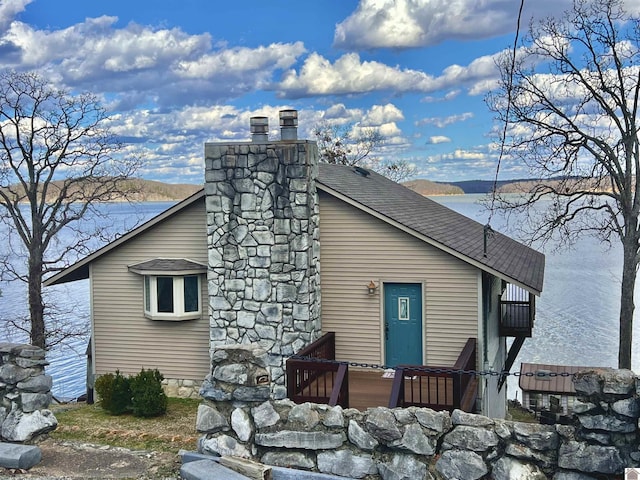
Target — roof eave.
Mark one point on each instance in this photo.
(80, 269)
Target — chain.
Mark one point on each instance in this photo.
(425, 369)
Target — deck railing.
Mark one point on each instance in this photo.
(517, 312)
(312, 380)
(440, 388)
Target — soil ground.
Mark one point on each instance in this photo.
(66, 460)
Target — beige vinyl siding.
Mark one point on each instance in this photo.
(356, 248)
(124, 338)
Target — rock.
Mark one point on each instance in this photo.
(225, 445)
(300, 440)
(381, 423)
(264, 415)
(289, 459)
(510, 469)
(583, 407)
(404, 467)
(619, 381)
(35, 401)
(458, 417)
(538, 437)
(628, 407)
(22, 427)
(234, 373)
(241, 424)
(12, 374)
(360, 437)
(345, 463)
(416, 441)
(457, 464)
(439, 422)
(471, 438)
(590, 458)
(19, 456)
(607, 422)
(209, 420)
(38, 384)
(304, 415)
(251, 394)
(334, 417)
(572, 476)
(547, 458)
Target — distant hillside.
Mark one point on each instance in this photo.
(152, 191)
(427, 187)
(481, 186)
(146, 190)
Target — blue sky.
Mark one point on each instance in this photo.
(174, 75)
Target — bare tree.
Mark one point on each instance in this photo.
(569, 104)
(338, 144)
(57, 162)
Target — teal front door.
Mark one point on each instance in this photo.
(403, 323)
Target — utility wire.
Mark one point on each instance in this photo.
(503, 137)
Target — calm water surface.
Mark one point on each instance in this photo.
(576, 323)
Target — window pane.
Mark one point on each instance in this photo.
(191, 293)
(165, 294)
(147, 294)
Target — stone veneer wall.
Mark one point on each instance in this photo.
(25, 393)
(237, 418)
(262, 218)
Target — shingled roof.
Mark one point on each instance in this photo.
(436, 224)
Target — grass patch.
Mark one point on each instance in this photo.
(517, 413)
(167, 433)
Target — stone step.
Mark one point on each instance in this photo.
(197, 466)
(14, 455)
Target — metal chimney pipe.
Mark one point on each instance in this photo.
(259, 129)
(288, 124)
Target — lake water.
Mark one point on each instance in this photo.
(576, 321)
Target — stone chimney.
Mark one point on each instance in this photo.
(263, 240)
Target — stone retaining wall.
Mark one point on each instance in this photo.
(25, 393)
(416, 443)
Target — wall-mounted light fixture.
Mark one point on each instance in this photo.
(372, 287)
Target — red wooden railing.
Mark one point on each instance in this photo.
(312, 380)
(440, 388)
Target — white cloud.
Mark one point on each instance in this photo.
(436, 139)
(442, 122)
(9, 9)
(418, 23)
(348, 74)
(166, 66)
(381, 114)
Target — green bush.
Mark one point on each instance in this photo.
(147, 397)
(104, 389)
(114, 392)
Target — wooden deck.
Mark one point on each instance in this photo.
(368, 389)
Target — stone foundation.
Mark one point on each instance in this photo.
(25, 393)
(179, 388)
(418, 443)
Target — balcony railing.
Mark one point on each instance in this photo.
(313, 379)
(439, 388)
(517, 312)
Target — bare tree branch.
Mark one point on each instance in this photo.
(573, 94)
(58, 163)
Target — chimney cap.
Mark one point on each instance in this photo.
(259, 129)
(288, 118)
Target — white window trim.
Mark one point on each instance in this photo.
(178, 314)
